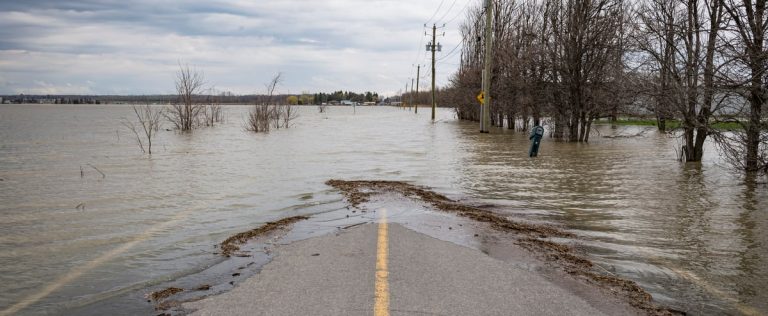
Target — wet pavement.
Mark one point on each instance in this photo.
(338, 273)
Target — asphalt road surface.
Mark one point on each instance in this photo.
(387, 269)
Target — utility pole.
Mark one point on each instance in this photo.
(434, 44)
(403, 97)
(433, 47)
(410, 100)
(416, 109)
(485, 109)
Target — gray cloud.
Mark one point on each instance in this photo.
(109, 47)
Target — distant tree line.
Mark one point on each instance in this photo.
(319, 98)
(306, 98)
(424, 97)
(50, 99)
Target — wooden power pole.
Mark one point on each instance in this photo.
(416, 109)
(434, 45)
(410, 99)
(402, 99)
(485, 109)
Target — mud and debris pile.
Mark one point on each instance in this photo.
(232, 244)
(162, 294)
(358, 192)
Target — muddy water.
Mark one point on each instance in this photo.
(72, 239)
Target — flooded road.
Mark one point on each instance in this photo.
(85, 217)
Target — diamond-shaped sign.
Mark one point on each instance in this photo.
(481, 98)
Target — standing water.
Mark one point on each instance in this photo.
(85, 216)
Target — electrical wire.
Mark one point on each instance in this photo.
(460, 12)
(438, 10)
(451, 53)
(446, 12)
(421, 40)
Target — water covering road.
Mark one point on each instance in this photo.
(694, 235)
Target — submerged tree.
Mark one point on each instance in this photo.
(678, 40)
(747, 147)
(265, 116)
(212, 112)
(185, 112)
(146, 127)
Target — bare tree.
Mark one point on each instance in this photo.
(259, 118)
(272, 85)
(264, 116)
(747, 148)
(680, 42)
(212, 113)
(655, 39)
(289, 114)
(149, 120)
(185, 112)
(276, 115)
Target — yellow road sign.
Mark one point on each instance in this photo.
(481, 97)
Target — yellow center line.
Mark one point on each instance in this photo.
(381, 306)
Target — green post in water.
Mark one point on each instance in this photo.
(536, 134)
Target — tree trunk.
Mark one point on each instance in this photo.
(753, 129)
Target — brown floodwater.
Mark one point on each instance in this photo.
(72, 240)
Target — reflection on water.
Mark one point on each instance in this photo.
(692, 234)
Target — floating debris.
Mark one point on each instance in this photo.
(232, 244)
(158, 295)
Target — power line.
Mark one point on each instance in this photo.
(451, 52)
(448, 11)
(460, 12)
(421, 40)
(433, 14)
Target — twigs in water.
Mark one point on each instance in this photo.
(94, 167)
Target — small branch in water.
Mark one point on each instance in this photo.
(353, 225)
(82, 174)
(80, 206)
(97, 169)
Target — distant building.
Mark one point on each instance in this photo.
(347, 102)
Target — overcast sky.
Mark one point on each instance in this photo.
(133, 47)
